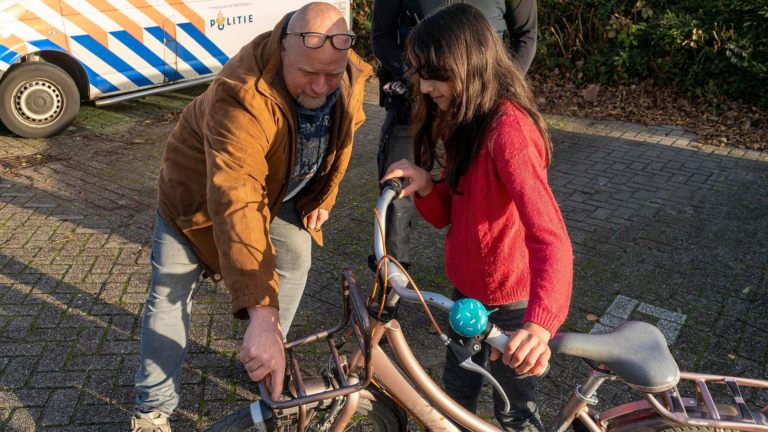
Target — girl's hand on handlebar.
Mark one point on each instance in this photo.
(419, 180)
(527, 351)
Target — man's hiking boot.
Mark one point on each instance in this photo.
(149, 422)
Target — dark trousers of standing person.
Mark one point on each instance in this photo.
(395, 143)
(465, 386)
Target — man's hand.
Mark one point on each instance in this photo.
(527, 350)
(262, 353)
(316, 219)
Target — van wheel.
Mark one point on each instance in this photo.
(38, 100)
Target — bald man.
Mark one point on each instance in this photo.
(248, 177)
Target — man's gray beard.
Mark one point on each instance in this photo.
(310, 103)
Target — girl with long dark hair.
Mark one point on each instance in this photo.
(507, 245)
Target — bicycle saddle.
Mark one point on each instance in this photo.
(635, 351)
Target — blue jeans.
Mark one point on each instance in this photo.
(175, 274)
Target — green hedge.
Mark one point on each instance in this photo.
(713, 46)
(361, 25)
(706, 46)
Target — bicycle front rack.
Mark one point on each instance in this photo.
(676, 412)
(360, 321)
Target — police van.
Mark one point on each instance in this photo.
(56, 53)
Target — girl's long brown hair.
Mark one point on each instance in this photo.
(458, 44)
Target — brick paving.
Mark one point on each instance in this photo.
(664, 230)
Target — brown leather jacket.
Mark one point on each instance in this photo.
(227, 166)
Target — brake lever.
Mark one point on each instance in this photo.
(469, 365)
(461, 351)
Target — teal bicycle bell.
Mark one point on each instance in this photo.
(468, 317)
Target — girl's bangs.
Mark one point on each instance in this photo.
(423, 56)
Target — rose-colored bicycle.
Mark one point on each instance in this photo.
(369, 391)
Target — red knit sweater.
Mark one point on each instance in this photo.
(507, 240)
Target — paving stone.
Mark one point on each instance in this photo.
(21, 349)
(96, 414)
(729, 327)
(54, 357)
(98, 388)
(21, 398)
(208, 360)
(57, 379)
(87, 363)
(17, 373)
(217, 385)
(59, 410)
(127, 347)
(753, 347)
(20, 324)
(599, 328)
(89, 341)
(190, 395)
(662, 313)
(611, 321)
(24, 419)
(670, 330)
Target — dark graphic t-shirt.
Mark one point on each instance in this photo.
(311, 143)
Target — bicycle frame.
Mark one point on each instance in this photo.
(409, 385)
(412, 388)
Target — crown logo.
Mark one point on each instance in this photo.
(220, 20)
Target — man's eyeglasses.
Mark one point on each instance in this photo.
(315, 40)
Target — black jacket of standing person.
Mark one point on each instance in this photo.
(393, 20)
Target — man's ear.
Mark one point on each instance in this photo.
(282, 47)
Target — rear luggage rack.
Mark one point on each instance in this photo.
(360, 321)
(675, 410)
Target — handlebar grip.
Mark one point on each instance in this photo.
(498, 339)
(397, 184)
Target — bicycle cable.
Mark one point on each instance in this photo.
(418, 292)
(386, 278)
(594, 366)
(405, 273)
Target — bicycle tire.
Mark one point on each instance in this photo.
(694, 429)
(381, 418)
(648, 420)
(238, 421)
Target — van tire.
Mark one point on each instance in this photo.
(38, 100)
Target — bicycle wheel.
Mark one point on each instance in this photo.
(238, 421)
(369, 417)
(649, 420)
(695, 429)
